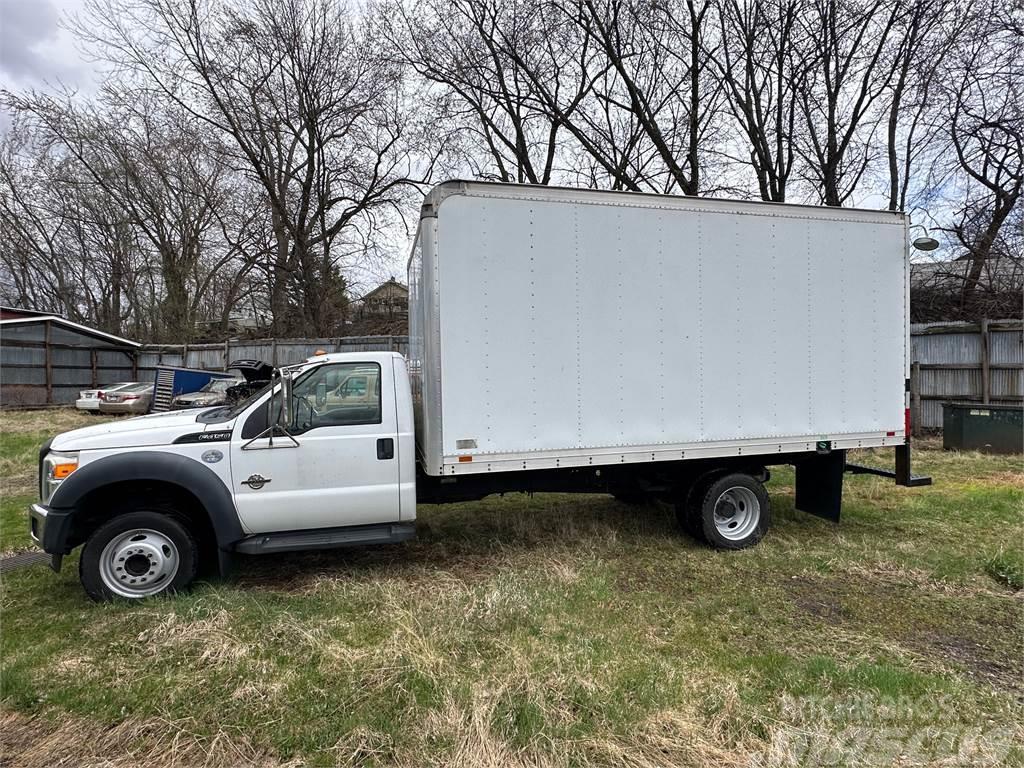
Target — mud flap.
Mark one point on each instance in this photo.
(819, 484)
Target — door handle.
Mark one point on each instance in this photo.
(385, 448)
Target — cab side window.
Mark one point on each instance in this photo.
(337, 394)
(331, 395)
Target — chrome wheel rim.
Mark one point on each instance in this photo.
(737, 513)
(138, 563)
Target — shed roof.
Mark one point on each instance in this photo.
(35, 318)
(14, 313)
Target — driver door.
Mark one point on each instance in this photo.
(344, 470)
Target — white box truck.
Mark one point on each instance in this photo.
(647, 346)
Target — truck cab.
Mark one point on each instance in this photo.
(323, 456)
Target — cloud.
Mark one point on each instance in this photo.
(26, 26)
(35, 49)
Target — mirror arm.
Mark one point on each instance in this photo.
(273, 425)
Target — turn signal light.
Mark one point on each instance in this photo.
(60, 471)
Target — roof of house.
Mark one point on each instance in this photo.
(385, 286)
(11, 317)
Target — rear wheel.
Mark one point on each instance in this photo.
(138, 554)
(735, 512)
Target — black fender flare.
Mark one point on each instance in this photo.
(161, 466)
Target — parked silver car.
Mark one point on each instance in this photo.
(215, 392)
(135, 399)
(89, 399)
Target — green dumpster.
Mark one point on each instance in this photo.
(986, 428)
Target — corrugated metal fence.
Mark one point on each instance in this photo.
(976, 362)
(973, 362)
(216, 357)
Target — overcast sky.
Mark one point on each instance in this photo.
(35, 49)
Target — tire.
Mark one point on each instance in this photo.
(139, 554)
(688, 508)
(734, 512)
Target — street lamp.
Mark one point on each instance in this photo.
(925, 243)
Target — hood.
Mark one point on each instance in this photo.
(154, 429)
(200, 398)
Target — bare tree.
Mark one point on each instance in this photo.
(848, 65)
(69, 248)
(762, 75)
(661, 74)
(149, 162)
(986, 118)
(312, 110)
(484, 59)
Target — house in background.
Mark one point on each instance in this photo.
(388, 301)
(244, 325)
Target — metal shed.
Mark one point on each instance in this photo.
(46, 359)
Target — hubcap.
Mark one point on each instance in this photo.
(737, 513)
(139, 562)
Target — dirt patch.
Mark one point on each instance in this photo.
(38, 742)
(821, 603)
(980, 663)
(942, 625)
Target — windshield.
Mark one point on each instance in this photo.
(228, 412)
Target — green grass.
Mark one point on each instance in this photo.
(554, 629)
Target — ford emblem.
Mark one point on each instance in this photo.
(212, 457)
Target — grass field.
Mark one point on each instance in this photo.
(548, 630)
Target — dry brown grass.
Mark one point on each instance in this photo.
(23, 432)
(39, 742)
(51, 420)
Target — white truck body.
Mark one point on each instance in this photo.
(561, 327)
(642, 346)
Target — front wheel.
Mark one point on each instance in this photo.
(734, 512)
(136, 555)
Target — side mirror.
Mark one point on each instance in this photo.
(321, 393)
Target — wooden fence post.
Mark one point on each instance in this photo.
(986, 373)
(94, 380)
(227, 353)
(915, 399)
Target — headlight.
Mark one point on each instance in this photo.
(56, 467)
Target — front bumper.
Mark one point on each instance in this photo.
(50, 529)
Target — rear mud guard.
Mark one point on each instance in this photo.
(819, 484)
